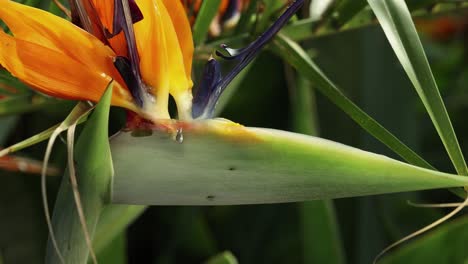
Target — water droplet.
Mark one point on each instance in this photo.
(179, 136)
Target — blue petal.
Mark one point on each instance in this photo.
(84, 15)
(209, 83)
(123, 21)
(119, 18)
(243, 57)
(124, 67)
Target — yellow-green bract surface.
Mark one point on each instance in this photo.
(252, 166)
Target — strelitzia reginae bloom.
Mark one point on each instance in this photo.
(144, 46)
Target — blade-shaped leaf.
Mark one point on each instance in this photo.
(94, 171)
(10, 85)
(318, 218)
(291, 52)
(113, 221)
(223, 258)
(245, 21)
(347, 9)
(70, 123)
(44, 135)
(25, 103)
(399, 28)
(222, 163)
(115, 251)
(208, 11)
(432, 247)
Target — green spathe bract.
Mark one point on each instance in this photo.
(253, 166)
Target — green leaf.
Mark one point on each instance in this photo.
(221, 163)
(44, 4)
(94, 172)
(321, 237)
(303, 106)
(347, 9)
(113, 221)
(208, 11)
(6, 127)
(270, 11)
(223, 258)
(433, 247)
(318, 219)
(44, 135)
(399, 28)
(245, 20)
(11, 85)
(70, 123)
(114, 252)
(25, 103)
(306, 29)
(291, 52)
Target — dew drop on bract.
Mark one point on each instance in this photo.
(179, 136)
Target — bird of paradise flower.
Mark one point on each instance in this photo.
(145, 48)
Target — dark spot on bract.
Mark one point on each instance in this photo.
(232, 168)
(210, 197)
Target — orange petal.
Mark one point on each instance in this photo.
(47, 30)
(105, 11)
(56, 57)
(51, 72)
(150, 39)
(162, 61)
(83, 12)
(224, 5)
(183, 30)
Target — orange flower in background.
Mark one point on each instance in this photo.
(60, 59)
(195, 5)
(227, 17)
(443, 28)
